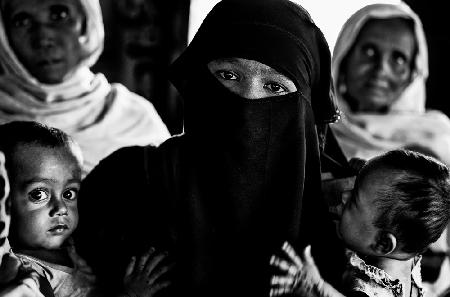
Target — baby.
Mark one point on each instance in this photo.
(44, 169)
(399, 205)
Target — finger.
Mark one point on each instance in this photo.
(159, 286)
(159, 272)
(130, 266)
(279, 263)
(144, 258)
(278, 291)
(292, 254)
(307, 257)
(282, 280)
(153, 262)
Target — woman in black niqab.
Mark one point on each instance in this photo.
(245, 176)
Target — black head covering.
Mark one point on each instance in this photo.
(280, 34)
(253, 166)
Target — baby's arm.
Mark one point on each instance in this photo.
(144, 277)
(298, 275)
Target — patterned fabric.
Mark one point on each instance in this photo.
(4, 212)
(15, 281)
(374, 281)
(100, 116)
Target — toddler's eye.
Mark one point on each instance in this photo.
(21, 20)
(227, 75)
(276, 88)
(59, 12)
(38, 195)
(70, 194)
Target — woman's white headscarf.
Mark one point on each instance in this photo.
(406, 123)
(101, 117)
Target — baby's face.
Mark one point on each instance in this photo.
(46, 36)
(250, 79)
(358, 214)
(44, 189)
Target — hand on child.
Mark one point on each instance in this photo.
(9, 268)
(144, 276)
(298, 275)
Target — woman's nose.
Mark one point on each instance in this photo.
(44, 36)
(382, 67)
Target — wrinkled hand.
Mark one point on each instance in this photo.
(143, 275)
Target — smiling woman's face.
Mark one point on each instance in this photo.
(250, 79)
(46, 36)
(378, 68)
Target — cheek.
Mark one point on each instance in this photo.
(73, 209)
(19, 42)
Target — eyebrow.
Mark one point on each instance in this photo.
(49, 180)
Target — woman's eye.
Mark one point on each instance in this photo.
(399, 59)
(38, 195)
(21, 20)
(275, 88)
(369, 51)
(227, 75)
(59, 12)
(70, 194)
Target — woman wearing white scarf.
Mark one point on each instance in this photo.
(404, 123)
(101, 117)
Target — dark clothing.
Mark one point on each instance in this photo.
(142, 196)
(243, 179)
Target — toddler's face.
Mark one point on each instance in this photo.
(46, 36)
(44, 190)
(358, 213)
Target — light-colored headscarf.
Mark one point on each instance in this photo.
(406, 123)
(101, 117)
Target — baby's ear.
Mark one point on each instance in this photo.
(385, 243)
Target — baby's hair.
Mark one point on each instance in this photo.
(414, 202)
(18, 133)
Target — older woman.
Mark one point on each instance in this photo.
(380, 85)
(46, 49)
(245, 175)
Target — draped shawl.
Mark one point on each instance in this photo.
(101, 117)
(406, 123)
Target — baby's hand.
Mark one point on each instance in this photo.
(143, 275)
(299, 276)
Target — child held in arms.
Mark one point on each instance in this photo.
(400, 204)
(44, 169)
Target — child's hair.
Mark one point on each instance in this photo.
(414, 204)
(18, 133)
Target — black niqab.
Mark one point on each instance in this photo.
(253, 164)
